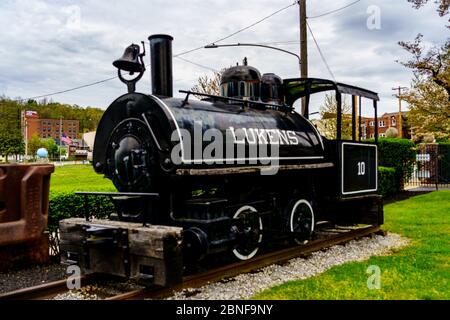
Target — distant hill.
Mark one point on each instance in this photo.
(88, 117)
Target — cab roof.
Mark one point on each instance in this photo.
(296, 88)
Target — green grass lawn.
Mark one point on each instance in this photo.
(71, 178)
(419, 271)
(65, 204)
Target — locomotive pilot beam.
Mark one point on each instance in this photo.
(232, 171)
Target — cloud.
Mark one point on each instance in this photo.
(49, 45)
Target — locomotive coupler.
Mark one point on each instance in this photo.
(103, 237)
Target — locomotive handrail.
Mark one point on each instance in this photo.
(245, 102)
(144, 116)
(94, 193)
(86, 194)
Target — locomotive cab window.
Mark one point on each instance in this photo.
(342, 101)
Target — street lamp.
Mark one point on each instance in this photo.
(213, 46)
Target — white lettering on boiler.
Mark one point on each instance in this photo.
(264, 136)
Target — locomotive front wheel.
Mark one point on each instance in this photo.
(247, 225)
(301, 221)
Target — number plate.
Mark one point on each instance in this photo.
(359, 168)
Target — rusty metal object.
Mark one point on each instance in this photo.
(24, 192)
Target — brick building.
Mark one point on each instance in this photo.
(48, 128)
(386, 121)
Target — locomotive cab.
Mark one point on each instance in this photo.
(353, 195)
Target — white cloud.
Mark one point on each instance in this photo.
(49, 45)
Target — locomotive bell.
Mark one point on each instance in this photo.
(130, 60)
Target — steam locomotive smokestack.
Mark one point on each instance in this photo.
(161, 68)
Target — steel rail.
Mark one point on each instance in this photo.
(234, 269)
(42, 291)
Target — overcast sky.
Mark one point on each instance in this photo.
(52, 45)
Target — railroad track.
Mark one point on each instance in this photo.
(341, 235)
(43, 291)
(338, 236)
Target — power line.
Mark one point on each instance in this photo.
(238, 31)
(175, 56)
(197, 64)
(336, 10)
(187, 60)
(68, 90)
(275, 43)
(320, 51)
(187, 51)
(257, 22)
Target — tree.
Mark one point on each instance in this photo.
(11, 141)
(11, 145)
(34, 144)
(429, 97)
(62, 151)
(442, 8)
(208, 85)
(328, 123)
(52, 147)
(11, 136)
(429, 110)
(433, 65)
(392, 132)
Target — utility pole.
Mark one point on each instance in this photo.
(303, 46)
(60, 137)
(26, 139)
(25, 132)
(399, 96)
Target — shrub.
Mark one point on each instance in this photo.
(399, 154)
(387, 181)
(392, 132)
(63, 205)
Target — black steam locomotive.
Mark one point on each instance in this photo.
(236, 169)
(227, 202)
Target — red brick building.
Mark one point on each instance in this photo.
(386, 121)
(48, 128)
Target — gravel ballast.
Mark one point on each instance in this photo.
(246, 285)
(98, 291)
(32, 276)
(240, 287)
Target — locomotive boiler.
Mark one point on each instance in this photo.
(231, 171)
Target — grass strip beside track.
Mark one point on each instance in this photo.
(419, 271)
